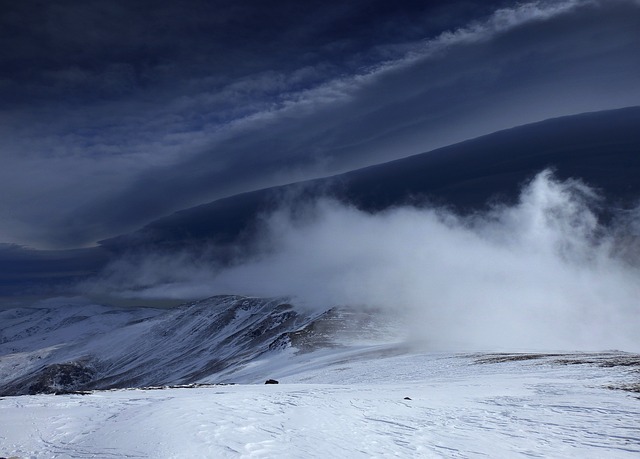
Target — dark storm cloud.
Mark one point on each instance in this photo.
(118, 112)
(30, 272)
(97, 49)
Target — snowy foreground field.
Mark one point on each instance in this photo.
(352, 404)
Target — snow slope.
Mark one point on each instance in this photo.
(461, 406)
(66, 347)
(348, 388)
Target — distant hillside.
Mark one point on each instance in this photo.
(68, 347)
(602, 148)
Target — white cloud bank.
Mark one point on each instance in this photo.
(543, 274)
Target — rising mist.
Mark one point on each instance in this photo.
(542, 274)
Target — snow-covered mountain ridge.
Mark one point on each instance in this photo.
(62, 348)
(79, 346)
(59, 348)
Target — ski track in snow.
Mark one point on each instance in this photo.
(458, 409)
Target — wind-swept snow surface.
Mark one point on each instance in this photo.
(458, 406)
(349, 387)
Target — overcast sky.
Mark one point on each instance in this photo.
(113, 113)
